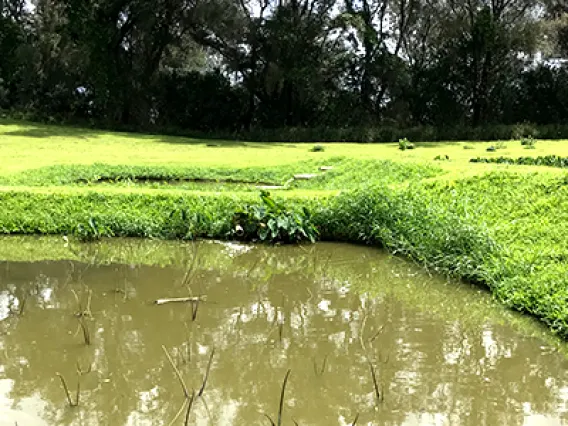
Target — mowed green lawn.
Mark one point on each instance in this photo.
(505, 226)
(25, 146)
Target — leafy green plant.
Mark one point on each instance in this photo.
(273, 222)
(317, 148)
(91, 231)
(404, 144)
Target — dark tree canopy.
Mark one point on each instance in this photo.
(233, 65)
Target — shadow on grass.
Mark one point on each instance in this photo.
(38, 130)
(439, 144)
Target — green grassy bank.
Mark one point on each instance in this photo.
(501, 225)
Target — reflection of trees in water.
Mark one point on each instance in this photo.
(471, 372)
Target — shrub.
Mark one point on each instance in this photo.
(528, 142)
(404, 144)
(317, 148)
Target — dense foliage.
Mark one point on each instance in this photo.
(547, 160)
(348, 69)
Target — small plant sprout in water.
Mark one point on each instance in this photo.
(320, 370)
(80, 374)
(281, 405)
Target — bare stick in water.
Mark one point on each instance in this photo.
(86, 332)
(269, 419)
(23, 305)
(66, 389)
(189, 405)
(178, 374)
(78, 389)
(379, 331)
(194, 308)
(206, 373)
(378, 394)
(321, 370)
(354, 422)
(281, 328)
(88, 308)
(184, 403)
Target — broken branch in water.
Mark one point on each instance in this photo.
(180, 300)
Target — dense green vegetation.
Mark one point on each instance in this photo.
(303, 70)
(498, 225)
(549, 160)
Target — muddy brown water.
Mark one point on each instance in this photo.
(443, 352)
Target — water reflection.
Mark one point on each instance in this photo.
(443, 353)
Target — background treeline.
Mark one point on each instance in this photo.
(291, 69)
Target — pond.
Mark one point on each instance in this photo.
(332, 314)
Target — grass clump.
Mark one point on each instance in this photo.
(317, 148)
